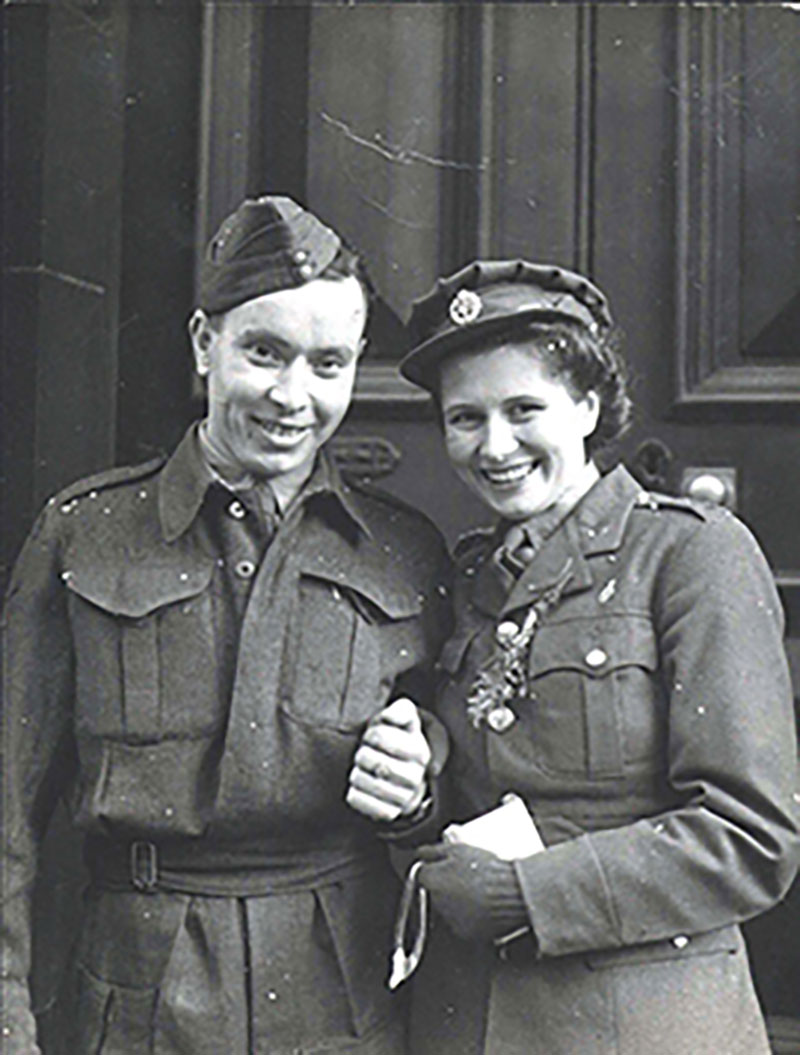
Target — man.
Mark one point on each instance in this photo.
(194, 648)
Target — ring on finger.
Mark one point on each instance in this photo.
(381, 771)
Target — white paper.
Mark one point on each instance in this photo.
(508, 831)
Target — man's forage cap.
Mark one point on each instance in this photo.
(268, 244)
(491, 296)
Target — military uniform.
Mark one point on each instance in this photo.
(195, 688)
(655, 747)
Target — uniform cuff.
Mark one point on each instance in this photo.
(568, 900)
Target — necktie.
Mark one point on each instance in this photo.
(523, 541)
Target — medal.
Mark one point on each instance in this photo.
(503, 677)
(500, 718)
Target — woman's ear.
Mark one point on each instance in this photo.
(590, 412)
(202, 337)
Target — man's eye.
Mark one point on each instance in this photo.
(327, 365)
(262, 353)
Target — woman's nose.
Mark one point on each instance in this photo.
(290, 390)
(498, 439)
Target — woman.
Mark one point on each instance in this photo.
(617, 663)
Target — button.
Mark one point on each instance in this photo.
(306, 270)
(680, 942)
(299, 256)
(237, 510)
(245, 569)
(597, 657)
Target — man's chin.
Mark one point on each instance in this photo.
(274, 465)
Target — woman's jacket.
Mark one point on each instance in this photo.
(655, 747)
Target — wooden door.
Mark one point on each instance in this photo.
(654, 147)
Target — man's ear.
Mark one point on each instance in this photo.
(202, 336)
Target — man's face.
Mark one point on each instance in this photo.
(280, 371)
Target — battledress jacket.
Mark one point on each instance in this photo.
(656, 749)
(197, 695)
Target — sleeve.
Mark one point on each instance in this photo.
(730, 850)
(38, 757)
(419, 685)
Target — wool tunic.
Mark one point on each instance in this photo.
(195, 689)
(655, 747)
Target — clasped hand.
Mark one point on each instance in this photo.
(388, 778)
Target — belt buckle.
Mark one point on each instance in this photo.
(144, 866)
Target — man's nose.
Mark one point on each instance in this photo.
(498, 439)
(289, 390)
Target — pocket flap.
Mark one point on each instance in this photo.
(136, 590)
(393, 600)
(595, 646)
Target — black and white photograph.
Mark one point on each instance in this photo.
(400, 504)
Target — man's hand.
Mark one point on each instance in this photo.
(387, 780)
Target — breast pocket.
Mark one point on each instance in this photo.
(595, 703)
(145, 664)
(347, 647)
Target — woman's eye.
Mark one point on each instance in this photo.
(523, 411)
(463, 419)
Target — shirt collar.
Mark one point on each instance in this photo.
(187, 476)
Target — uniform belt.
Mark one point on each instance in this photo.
(149, 868)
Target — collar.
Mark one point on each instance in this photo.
(187, 476)
(596, 525)
(602, 514)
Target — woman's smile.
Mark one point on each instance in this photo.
(514, 432)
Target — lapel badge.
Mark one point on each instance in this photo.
(465, 307)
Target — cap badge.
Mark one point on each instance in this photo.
(465, 307)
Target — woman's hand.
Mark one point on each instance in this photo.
(475, 892)
(388, 778)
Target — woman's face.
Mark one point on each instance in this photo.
(513, 431)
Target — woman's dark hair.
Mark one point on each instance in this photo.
(585, 361)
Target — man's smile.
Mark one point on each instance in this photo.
(281, 432)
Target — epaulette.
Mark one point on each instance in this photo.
(471, 543)
(655, 500)
(101, 481)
